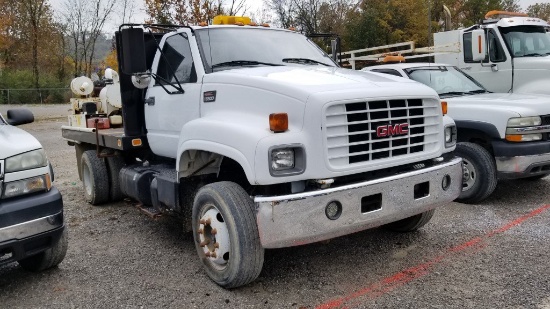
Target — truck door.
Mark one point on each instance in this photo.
(166, 113)
(495, 71)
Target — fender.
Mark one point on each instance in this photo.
(235, 138)
(487, 128)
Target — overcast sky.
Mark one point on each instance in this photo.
(139, 15)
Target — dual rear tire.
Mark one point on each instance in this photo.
(100, 178)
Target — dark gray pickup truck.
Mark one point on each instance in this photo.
(32, 229)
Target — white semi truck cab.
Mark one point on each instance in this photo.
(259, 140)
(507, 52)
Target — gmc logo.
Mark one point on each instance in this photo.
(390, 130)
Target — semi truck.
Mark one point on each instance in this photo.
(257, 139)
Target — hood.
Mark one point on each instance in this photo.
(301, 81)
(14, 141)
(532, 63)
(522, 104)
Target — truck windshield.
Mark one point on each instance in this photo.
(229, 48)
(526, 41)
(446, 80)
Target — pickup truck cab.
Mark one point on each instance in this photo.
(500, 135)
(32, 230)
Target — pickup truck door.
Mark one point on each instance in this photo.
(495, 72)
(168, 109)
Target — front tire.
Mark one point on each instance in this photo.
(226, 235)
(49, 258)
(411, 224)
(480, 175)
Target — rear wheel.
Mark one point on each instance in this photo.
(479, 173)
(95, 179)
(226, 235)
(49, 258)
(411, 223)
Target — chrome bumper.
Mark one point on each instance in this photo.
(523, 165)
(298, 219)
(31, 228)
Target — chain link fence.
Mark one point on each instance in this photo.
(35, 96)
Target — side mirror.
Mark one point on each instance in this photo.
(132, 51)
(478, 45)
(19, 116)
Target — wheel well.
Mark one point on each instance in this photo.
(476, 137)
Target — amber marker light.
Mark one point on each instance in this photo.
(136, 142)
(444, 107)
(278, 122)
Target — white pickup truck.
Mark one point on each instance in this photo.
(32, 229)
(257, 138)
(500, 135)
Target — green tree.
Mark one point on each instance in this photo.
(540, 10)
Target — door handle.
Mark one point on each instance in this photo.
(150, 101)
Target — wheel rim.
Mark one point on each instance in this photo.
(86, 179)
(214, 237)
(469, 175)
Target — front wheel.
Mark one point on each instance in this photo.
(411, 224)
(479, 173)
(226, 235)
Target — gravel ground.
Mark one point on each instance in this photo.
(491, 255)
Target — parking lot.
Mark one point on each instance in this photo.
(491, 255)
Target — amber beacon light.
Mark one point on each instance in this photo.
(278, 122)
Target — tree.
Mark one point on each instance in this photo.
(180, 12)
(540, 10)
(84, 22)
(34, 11)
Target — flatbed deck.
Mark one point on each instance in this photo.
(109, 138)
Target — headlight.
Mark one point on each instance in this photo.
(286, 160)
(524, 121)
(25, 161)
(450, 136)
(25, 186)
(282, 159)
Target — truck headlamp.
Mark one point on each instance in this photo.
(524, 122)
(26, 186)
(286, 160)
(282, 159)
(26, 161)
(450, 136)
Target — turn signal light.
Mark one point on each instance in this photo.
(444, 107)
(278, 122)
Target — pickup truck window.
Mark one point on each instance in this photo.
(244, 47)
(447, 81)
(526, 41)
(176, 57)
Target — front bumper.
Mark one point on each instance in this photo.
(523, 166)
(298, 219)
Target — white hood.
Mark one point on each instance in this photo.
(14, 141)
(301, 81)
(522, 104)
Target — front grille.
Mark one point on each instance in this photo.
(368, 131)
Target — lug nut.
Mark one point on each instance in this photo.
(200, 231)
(213, 254)
(216, 245)
(214, 231)
(204, 243)
(202, 221)
(207, 253)
(208, 221)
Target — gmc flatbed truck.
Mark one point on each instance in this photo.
(258, 139)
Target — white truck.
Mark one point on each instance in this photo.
(257, 139)
(500, 135)
(507, 52)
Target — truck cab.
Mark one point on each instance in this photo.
(507, 52)
(32, 230)
(258, 139)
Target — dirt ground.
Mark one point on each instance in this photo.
(491, 255)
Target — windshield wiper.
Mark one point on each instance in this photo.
(477, 91)
(238, 63)
(304, 60)
(533, 55)
(452, 93)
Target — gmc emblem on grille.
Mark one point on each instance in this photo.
(390, 130)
